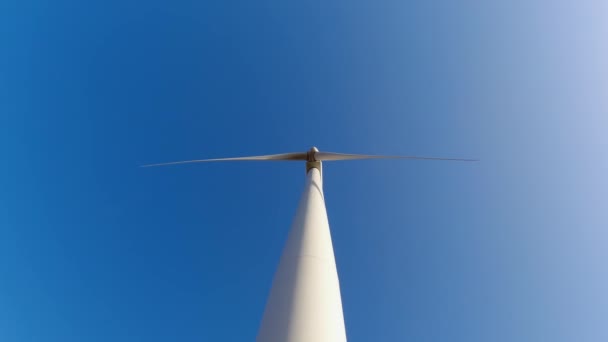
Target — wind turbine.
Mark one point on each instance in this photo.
(304, 304)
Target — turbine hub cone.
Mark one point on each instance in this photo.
(311, 160)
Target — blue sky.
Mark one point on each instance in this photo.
(94, 248)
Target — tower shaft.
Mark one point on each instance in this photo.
(304, 304)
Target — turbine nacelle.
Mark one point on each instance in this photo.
(311, 160)
(310, 155)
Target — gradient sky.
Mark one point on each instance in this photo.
(512, 248)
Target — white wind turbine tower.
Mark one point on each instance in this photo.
(304, 304)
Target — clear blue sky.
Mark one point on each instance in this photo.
(94, 248)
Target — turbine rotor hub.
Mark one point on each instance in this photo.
(310, 155)
(311, 161)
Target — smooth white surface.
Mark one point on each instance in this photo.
(304, 304)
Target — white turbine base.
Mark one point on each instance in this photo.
(304, 304)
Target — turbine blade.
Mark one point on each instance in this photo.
(331, 156)
(270, 157)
